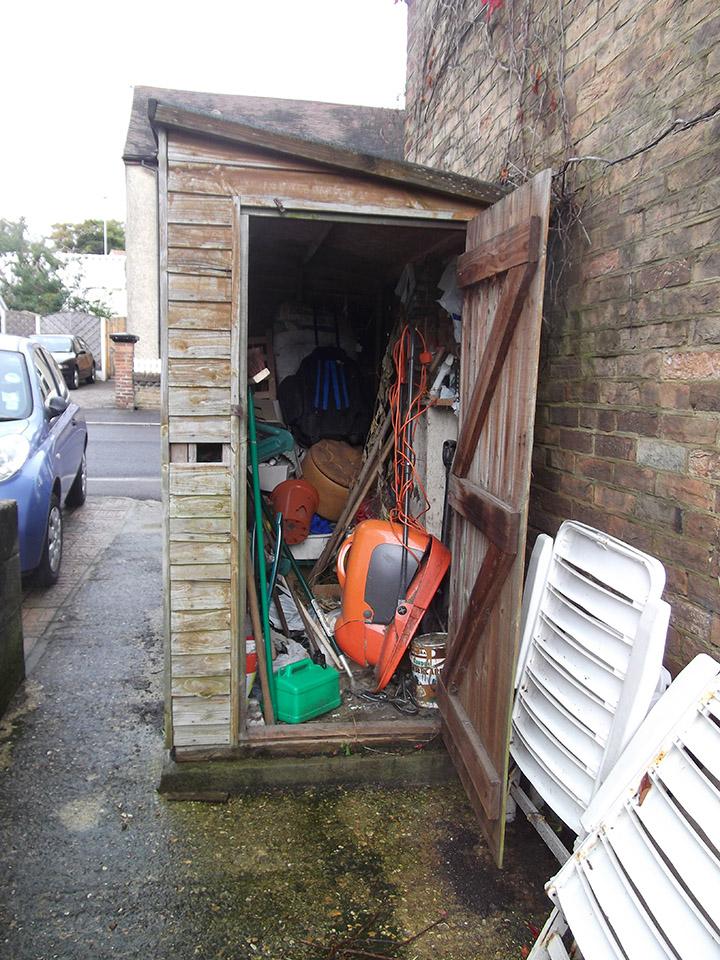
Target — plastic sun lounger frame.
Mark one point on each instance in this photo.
(587, 671)
(643, 883)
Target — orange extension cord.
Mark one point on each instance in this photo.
(403, 423)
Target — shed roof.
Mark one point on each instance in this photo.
(349, 159)
(371, 130)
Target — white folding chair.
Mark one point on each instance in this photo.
(587, 677)
(644, 883)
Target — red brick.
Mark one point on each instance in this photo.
(632, 477)
(573, 486)
(677, 579)
(680, 550)
(633, 533)
(586, 513)
(702, 526)
(700, 365)
(660, 275)
(577, 440)
(595, 469)
(561, 460)
(702, 590)
(674, 396)
(703, 396)
(615, 500)
(705, 463)
(662, 512)
(615, 448)
(641, 365)
(697, 429)
(565, 416)
(690, 617)
(685, 490)
(644, 424)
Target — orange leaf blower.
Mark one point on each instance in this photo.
(384, 599)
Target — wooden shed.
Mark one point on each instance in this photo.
(245, 216)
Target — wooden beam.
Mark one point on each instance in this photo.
(317, 737)
(476, 762)
(499, 522)
(518, 245)
(401, 172)
(508, 312)
(490, 580)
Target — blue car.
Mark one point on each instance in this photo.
(43, 439)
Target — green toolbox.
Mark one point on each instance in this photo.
(305, 690)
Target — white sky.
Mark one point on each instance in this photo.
(68, 69)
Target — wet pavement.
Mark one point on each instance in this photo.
(95, 864)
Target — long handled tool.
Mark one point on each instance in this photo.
(327, 630)
(268, 711)
(260, 546)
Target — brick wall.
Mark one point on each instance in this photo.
(123, 355)
(12, 658)
(629, 393)
(147, 391)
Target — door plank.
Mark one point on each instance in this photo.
(490, 490)
(516, 246)
(508, 312)
(479, 767)
(490, 581)
(496, 519)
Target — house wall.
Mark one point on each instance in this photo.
(206, 605)
(141, 268)
(627, 422)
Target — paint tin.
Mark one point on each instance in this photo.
(427, 658)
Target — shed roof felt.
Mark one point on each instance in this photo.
(371, 130)
(321, 151)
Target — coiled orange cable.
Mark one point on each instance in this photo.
(403, 423)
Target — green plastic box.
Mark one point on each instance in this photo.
(305, 690)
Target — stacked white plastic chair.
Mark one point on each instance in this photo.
(588, 668)
(644, 883)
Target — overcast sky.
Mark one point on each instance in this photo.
(69, 69)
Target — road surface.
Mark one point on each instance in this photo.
(123, 453)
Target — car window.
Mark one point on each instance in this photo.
(83, 345)
(15, 392)
(56, 344)
(45, 375)
(58, 377)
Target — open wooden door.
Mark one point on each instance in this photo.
(502, 273)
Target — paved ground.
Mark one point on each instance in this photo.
(123, 445)
(94, 864)
(93, 395)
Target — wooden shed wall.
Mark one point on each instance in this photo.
(198, 179)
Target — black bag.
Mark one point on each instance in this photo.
(326, 399)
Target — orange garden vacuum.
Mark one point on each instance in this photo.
(390, 570)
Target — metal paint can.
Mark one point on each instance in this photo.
(427, 658)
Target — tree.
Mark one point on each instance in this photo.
(87, 237)
(31, 275)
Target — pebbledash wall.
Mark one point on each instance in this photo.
(627, 426)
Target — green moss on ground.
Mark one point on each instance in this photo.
(288, 876)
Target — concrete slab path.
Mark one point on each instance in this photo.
(95, 864)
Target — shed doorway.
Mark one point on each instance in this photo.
(323, 278)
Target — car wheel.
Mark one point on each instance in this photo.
(49, 568)
(74, 379)
(78, 491)
(91, 378)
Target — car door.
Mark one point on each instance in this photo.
(83, 358)
(65, 434)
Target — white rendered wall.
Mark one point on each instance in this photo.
(141, 247)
